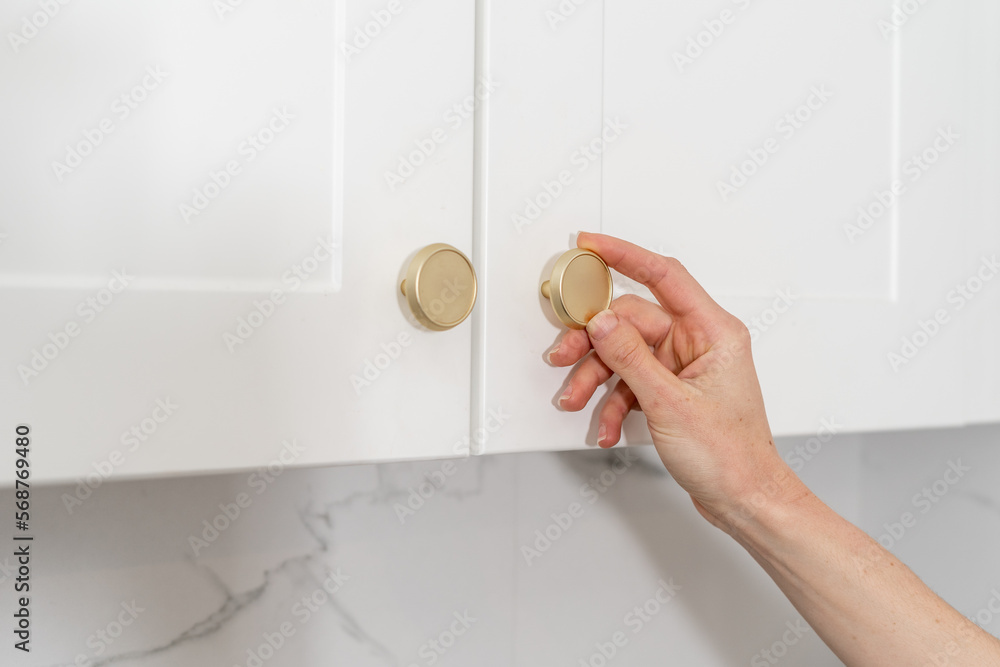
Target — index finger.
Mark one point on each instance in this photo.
(676, 290)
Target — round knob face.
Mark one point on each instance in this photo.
(580, 287)
(440, 286)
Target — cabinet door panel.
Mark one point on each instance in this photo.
(232, 168)
(539, 187)
(763, 149)
(803, 114)
(982, 354)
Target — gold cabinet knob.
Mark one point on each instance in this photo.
(440, 286)
(580, 287)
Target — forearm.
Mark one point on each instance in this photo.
(689, 366)
(867, 606)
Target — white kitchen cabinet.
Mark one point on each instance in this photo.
(231, 163)
(805, 113)
(260, 175)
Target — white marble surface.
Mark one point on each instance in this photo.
(405, 584)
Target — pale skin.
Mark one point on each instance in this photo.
(686, 363)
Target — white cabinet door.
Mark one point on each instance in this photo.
(982, 322)
(541, 183)
(808, 163)
(206, 210)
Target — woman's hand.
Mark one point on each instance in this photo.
(686, 364)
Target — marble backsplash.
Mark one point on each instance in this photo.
(588, 558)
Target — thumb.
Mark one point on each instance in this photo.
(620, 345)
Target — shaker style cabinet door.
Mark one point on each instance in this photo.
(207, 211)
(542, 183)
(810, 164)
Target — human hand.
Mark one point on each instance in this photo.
(686, 363)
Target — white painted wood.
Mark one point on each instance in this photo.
(877, 100)
(320, 181)
(547, 105)
(982, 354)
(858, 295)
(590, 120)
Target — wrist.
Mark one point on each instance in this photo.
(766, 507)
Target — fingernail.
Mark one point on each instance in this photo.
(602, 324)
(566, 394)
(548, 355)
(602, 434)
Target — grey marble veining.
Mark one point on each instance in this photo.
(535, 559)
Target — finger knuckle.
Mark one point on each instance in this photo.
(575, 342)
(628, 354)
(653, 269)
(739, 334)
(671, 266)
(663, 268)
(734, 344)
